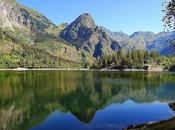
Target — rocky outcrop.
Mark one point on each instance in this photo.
(172, 68)
(172, 106)
(162, 125)
(15, 15)
(144, 40)
(82, 33)
(86, 35)
(26, 33)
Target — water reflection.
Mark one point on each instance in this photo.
(113, 117)
(28, 98)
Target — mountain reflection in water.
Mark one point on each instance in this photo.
(115, 116)
(71, 100)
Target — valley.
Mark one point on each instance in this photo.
(29, 40)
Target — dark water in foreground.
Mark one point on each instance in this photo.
(60, 100)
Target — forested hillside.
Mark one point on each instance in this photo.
(28, 39)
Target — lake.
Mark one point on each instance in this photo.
(70, 100)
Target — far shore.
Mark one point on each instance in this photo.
(83, 69)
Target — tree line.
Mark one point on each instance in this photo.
(131, 59)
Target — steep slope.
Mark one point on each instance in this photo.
(149, 41)
(118, 36)
(15, 16)
(21, 28)
(74, 44)
(136, 41)
(87, 36)
(147, 36)
(162, 43)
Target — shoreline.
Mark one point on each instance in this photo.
(44, 69)
(161, 125)
(144, 126)
(82, 69)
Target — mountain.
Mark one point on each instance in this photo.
(141, 40)
(29, 39)
(14, 15)
(147, 36)
(162, 43)
(86, 35)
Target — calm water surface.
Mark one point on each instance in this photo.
(60, 100)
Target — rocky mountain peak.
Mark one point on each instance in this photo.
(86, 35)
(15, 15)
(144, 34)
(9, 1)
(85, 20)
(80, 30)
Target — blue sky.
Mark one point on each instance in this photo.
(117, 15)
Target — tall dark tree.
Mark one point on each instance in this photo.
(169, 17)
(169, 11)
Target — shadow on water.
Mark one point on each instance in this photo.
(83, 100)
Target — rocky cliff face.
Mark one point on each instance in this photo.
(86, 35)
(28, 36)
(82, 33)
(5, 9)
(15, 15)
(144, 40)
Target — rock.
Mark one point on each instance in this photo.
(157, 68)
(153, 68)
(172, 68)
(172, 106)
(86, 35)
(162, 125)
(15, 16)
(147, 67)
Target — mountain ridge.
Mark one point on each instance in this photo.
(86, 35)
(91, 37)
(146, 39)
(80, 42)
(21, 28)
